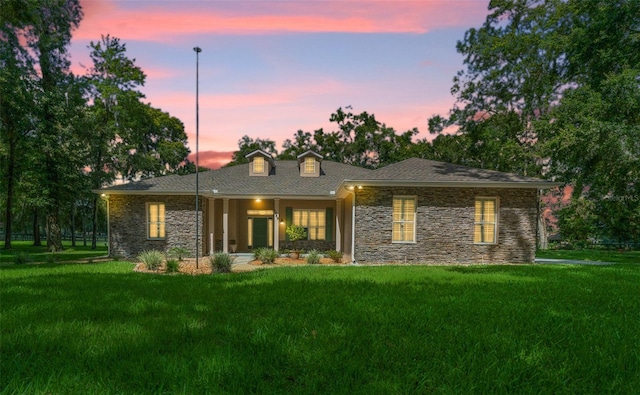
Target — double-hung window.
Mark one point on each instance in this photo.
(258, 165)
(309, 165)
(155, 221)
(486, 221)
(314, 221)
(404, 219)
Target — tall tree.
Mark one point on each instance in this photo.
(40, 32)
(129, 139)
(521, 70)
(16, 97)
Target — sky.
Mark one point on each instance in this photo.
(270, 68)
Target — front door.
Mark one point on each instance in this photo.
(260, 231)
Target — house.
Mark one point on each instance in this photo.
(416, 210)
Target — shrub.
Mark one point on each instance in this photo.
(257, 253)
(178, 253)
(268, 255)
(313, 257)
(334, 255)
(221, 262)
(172, 266)
(151, 258)
(296, 233)
(22, 258)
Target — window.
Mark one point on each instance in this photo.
(309, 165)
(155, 221)
(313, 220)
(258, 165)
(404, 219)
(486, 219)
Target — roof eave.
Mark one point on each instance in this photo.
(452, 184)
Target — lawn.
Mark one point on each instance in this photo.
(100, 328)
(25, 250)
(592, 255)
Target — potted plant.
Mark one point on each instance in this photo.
(295, 233)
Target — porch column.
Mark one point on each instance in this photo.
(211, 226)
(339, 203)
(276, 224)
(353, 227)
(225, 225)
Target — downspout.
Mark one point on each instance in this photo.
(353, 228)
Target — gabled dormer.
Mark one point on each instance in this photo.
(309, 164)
(261, 164)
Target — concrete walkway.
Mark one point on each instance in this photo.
(241, 263)
(549, 261)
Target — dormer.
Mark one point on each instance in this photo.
(261, 164)
(309, 164)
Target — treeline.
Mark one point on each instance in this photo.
(549, 88)
(62, 134)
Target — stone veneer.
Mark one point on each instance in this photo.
(128, 224)
(444, 226)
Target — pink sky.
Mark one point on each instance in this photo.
(270, 68)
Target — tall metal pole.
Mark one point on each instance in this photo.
(198, 50)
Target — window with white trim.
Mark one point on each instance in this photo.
(309, 165)
(404, 219)
(485, 221)
(155, 221)
(258, 165)
(314, 221)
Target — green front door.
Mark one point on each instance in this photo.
(260, 232)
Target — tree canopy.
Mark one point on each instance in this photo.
(62, 134)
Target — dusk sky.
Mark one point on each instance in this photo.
(270, 68)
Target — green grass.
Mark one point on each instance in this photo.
(103, 329)
(592, 255)
(41, 254)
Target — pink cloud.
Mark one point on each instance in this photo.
(212, 159)
(173, 19)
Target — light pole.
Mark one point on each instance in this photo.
(197, 50)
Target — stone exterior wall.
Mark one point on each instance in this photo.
(444, 226)
(128, 224)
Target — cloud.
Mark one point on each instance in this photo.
(172, 19)
(212, 159)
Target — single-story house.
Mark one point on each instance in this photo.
(416, 210)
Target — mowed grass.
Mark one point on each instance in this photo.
(592, 255)
(41, 254)
(102, 329)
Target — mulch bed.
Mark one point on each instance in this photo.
(188, 265)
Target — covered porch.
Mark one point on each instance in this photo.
(241, 224)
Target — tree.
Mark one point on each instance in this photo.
(44, 28)
(247, 145)
(16, 80)
(524, 70)
(129, 138)
(360, 140)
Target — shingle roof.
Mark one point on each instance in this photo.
(423, 170)
(286, 179)
(178, 184)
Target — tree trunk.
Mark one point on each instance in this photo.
(36, 229)
(94, 225)
(54, 234)
(10, 181)
(543, 236)
(73, 225)
(8, 213)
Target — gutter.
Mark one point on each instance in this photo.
(452, 184)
